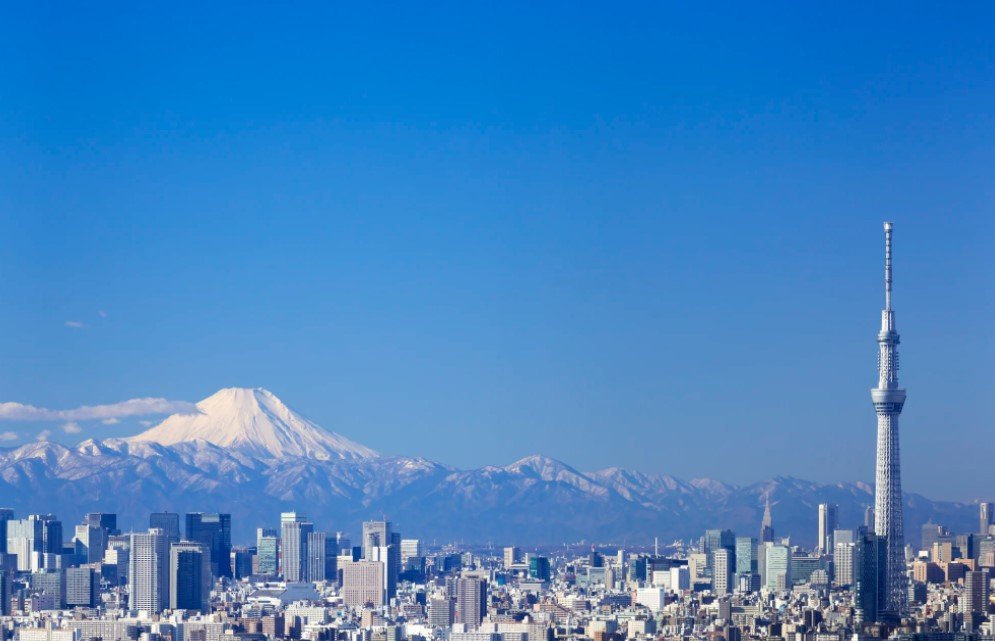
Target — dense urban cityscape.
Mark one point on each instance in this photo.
(184, 580)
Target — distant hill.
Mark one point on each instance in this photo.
(247, 453)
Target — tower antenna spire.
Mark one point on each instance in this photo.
(887, 266)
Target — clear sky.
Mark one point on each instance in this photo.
(647, 237)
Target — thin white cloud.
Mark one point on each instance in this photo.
(72, 427)
(44, 434)
(147, 423)
(75, 324)
(9, 436)
(11, 411)
(111, 421)
(102, 313)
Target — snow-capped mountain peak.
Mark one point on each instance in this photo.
(256, 423)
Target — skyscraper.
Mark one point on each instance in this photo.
(471, 601)
(539, 568)
(380, 534)
(827, 524)
(870, 577)
(106, 520)
(364, 583)
(778, 561)
(189, 577)
(984, 517)
(715, 540)
(213, 531)
(975, 599)
(168, 522)
(267, 551)
(411, 548)
(843, 563)
(722, 560)
(294, 531)
(767, 524)
(82, 587)
(888, 400)
(766, 536)
(148, 571)
(746, 555)
(322, 551)
(23, 541)
(89, 543)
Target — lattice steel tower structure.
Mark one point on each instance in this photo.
(888, 400)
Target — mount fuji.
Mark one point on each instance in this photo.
(256, 423)
(245, 452)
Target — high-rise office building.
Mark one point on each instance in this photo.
(117, 559)
(471, 601)
(767, 524)
(888, 400)
(869, 518)
(746, 555)
(931, 533)
(213, 531)
(778, 561)
(375, 534)
(148, 571)
(380, 534)
(89, 543)
(722, 570)
(984, 517)
(51, 582)
(241, 562)
(6, 514)
(364, 583)
(37, 542)
(5, 593)
(322, 552)
(168, 522)
(539, 568)
(976, 589)
(828, 513)
(870, 578)
(23, 539)
(411, 548)
(189, 576)
(441, 612)
(715, 540)
(510, 556)
(267, 552)
(105, 520)
(844, 536)
(51, 532)
(82, 587)
(294, 531)
(843, 564)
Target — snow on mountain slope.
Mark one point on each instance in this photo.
(256, 423)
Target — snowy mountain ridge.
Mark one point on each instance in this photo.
(248, 454)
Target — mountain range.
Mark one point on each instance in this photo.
(245, 452)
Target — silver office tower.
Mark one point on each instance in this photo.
(888, 399)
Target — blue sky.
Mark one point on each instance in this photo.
(648, 238)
